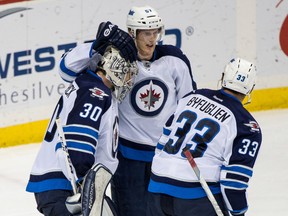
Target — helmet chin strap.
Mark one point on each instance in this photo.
(249, 100)
(249, 96)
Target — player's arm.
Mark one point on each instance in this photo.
(107, 146)
(75, 61)
(165, 135)
(236, 173)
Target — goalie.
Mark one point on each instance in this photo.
(70, 175)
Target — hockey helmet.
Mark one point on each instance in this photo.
(240, 76)
(143, 18)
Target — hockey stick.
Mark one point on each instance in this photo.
(69, 165)
(203, 183)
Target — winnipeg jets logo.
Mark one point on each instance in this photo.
(254, 127)
(150, 97)
(96, 92)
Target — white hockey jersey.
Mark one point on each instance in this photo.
(224, 139)
(89, 115)
(160, 83)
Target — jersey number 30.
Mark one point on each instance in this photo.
(92, 112)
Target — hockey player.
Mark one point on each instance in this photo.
(224, 139)
(164, 77)
(89, 113)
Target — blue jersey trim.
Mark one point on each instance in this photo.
(92, 51)
(159, 146)
(66, 70)
(81, 146)
(166, 131)
(238, 169)
(82, 130)
(239, 211)
(180, 192)
(46, 185)
(77, 145)
(135, 154)
(234, 184)
(94, 75)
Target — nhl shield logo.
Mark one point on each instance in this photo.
(253, 125)
(148, 97)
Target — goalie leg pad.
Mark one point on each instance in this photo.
(109, 208)
(93, 191)
(73, 204)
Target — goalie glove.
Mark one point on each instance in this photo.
(110, 34)
(94, 200)
(73, 204)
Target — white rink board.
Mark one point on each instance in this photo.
(209, 32)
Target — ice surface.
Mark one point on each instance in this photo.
(267, 193)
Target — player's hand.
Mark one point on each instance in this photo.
(110, 34)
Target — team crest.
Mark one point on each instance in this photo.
(254, 127)
(148, 97)
(96, 92)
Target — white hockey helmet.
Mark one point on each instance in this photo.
(240, 76)
(120, 72)
(144, 18)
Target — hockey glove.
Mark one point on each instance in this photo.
(94, 201)
(110, 34)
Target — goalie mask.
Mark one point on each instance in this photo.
(144, 18)
(120, 72)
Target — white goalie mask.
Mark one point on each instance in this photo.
(240, 76)
(120, 72)
(144, 18)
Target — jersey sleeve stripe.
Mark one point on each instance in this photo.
(233, 184)
(159, 146)
(238, 169)
(81, 130)
(49, 184)
(65, 70)
(77, 146)
(166, 131)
